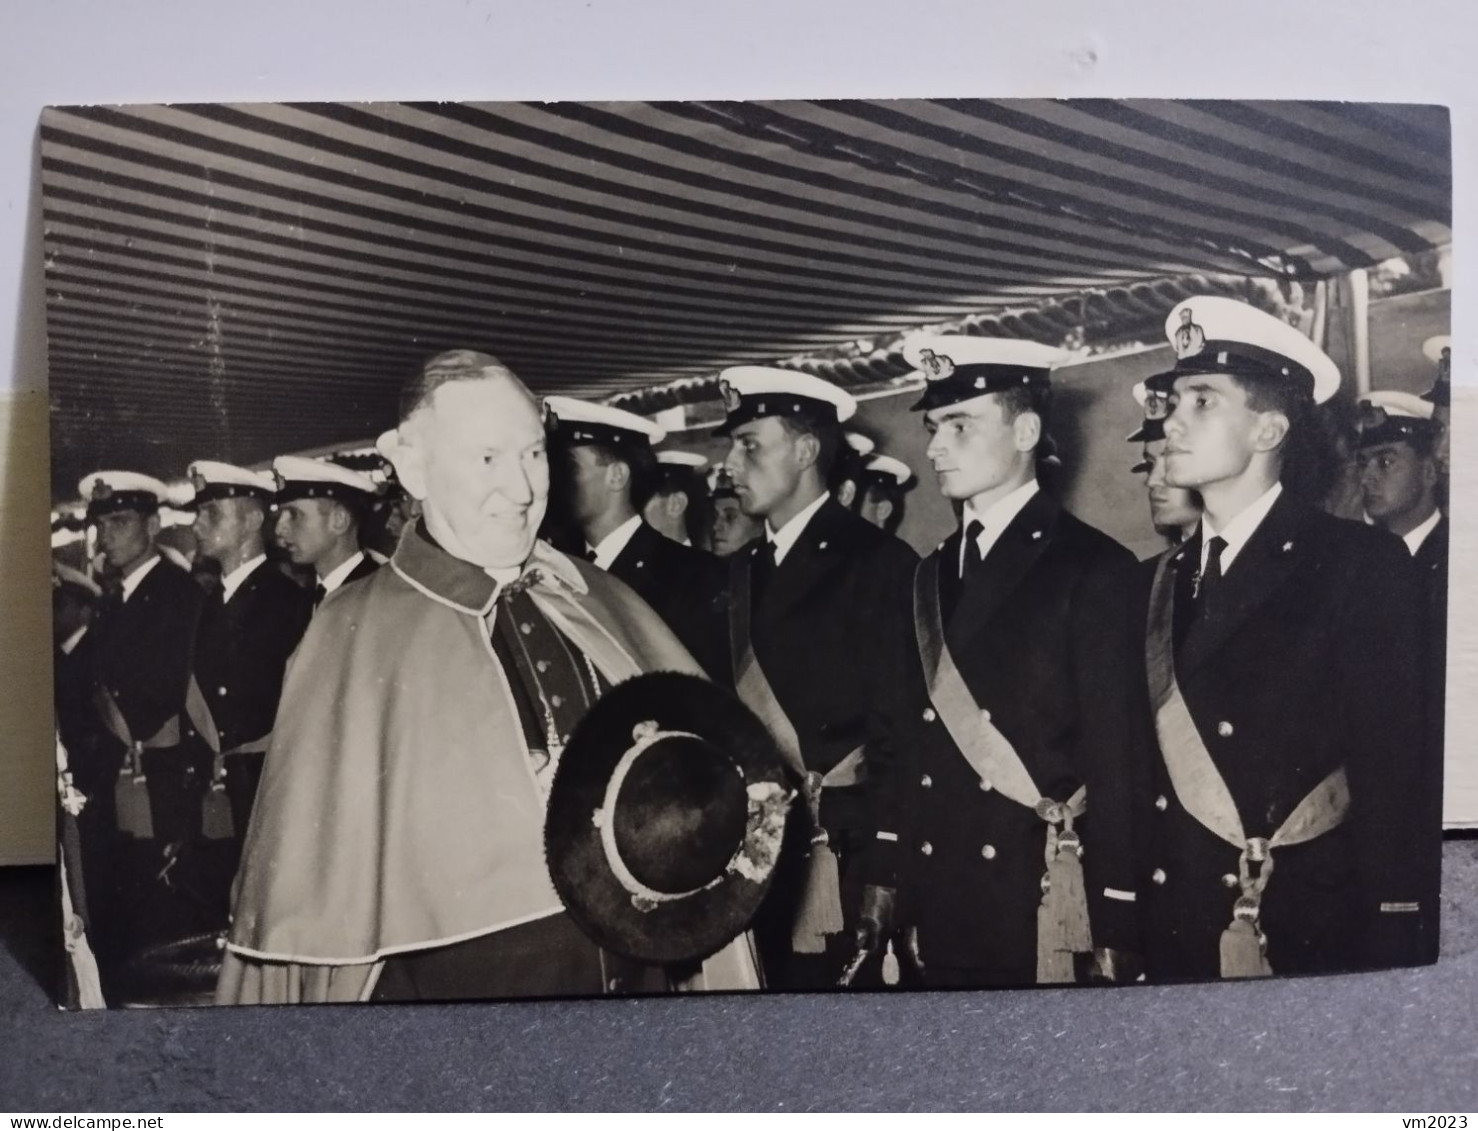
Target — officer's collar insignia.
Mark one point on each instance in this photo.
(1190, 339)
(936, 366)
(101, 490)
(730, 395)
(1287, 546)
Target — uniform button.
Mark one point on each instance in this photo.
(526, 628)
(1158, 875)
(1224, 729)
(1161, 803)
(985, 786)
(557, 700)
(926, 781)
(220, 691)
(929, 715)
(1229, 880)
(984, 714)
(989, 852)
(614, 985)
(926, 848)
(542, 665)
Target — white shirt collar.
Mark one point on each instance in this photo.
(232, 581)
(1240, 529)
(996, 518)
(1415, 538)
(133, 580)
(613, 543)
(341, 574)
(789, 534)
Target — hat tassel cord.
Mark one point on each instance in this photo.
(1062, 917)
(1244, 948)
(820, 912)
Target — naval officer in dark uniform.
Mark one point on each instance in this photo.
(1291, 817)
(1017, 723)
(136, 656)
(321, 506)
(248, 629)
(1400, 481)
(811, 602)
(1174, 511)
(604, 472)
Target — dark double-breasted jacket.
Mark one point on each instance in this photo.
(1312, 662)
(684, 586)
(1043, 636)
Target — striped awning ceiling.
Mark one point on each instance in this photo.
(237, 281)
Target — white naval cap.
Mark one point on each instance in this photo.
(1388, 416)
(1215, 334)
(887, 470)
(752, 392)
(862, 445)
(958, 367)
(586, 422)
(675, 458)
(1433, 347)
(298, 477)
(63, 574)
(108, 491)
(1156, 405)
(215, 480)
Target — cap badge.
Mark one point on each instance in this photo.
(730, 395)
(936, 366)
(101, 489)
(551, 419)
(198, 481)
(1189, 339)
(279, 480)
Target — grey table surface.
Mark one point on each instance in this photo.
(1403, 1040)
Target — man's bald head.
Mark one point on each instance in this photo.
(470, 445)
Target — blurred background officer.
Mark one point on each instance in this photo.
(732, 529)
(1288, 710)
(137, 658)
(678, 508)
(1173, 510)
(882, 485)
(320, 507)
(1401, 484)
(811, 602)
(248, 629)
(1439, 351)
(1016, 731)
(604, 472)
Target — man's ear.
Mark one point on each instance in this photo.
(676, 504)
(807, 449)
(152, 525)
(1430, 472)
(1272, 430)
(847, 493)
(404, 447)
(1026, 430)
(255, 517)
(618, 475)
(884, 511)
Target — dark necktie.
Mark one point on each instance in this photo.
(590, 554)
(973, 559)
(1210, 579)
(762, 569)
(319, 593)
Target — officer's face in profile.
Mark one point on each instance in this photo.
(477, 459)
(1212, 433)
(732, 528)
(765, 462)
(223, 526)
(975, 449)
(125, 537)
(307, 529)
(1171, 508)
(1396, 483)
(584, 481)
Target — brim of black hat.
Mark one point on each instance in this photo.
(681, 930)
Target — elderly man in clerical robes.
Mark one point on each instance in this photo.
(396, 851)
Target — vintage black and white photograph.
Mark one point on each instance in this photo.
(517, 550)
